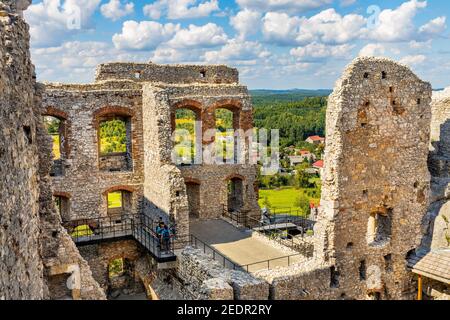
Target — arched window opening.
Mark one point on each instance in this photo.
(379, 228)
(56, 129)
(119, 202)
(235, 194)
(116, 268)
(226, 140)
(62, 206)
(186, 135)
(115, 143)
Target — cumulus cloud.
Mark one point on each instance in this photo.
(373, 50)
(236, 51)
(209, 35)
(327, 26)
(181, 9)
(280, 28)
(397, 24)
(413, 60)
(115, 10)
(75, 61)
(246, 22)
(435, 26)
(330, 27)
(291, 6)
(145, 35)
(53, 21)
(318, 51)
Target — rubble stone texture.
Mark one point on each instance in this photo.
(204, 278)
(33, 244)
(376, 208)
(374, 189)
(436, 227)
(376, 182)
(149, 95)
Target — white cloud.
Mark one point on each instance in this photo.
(373, 50)
(397, 24)
(53, 21)
(413, 60)
(76, 61)
(434, 27)
(246, 22)
(291, 6)
(236, 51)
(209, 35)
(330, 27)
(280, 28)
(181, 9)
(327, 26)
(145, 35)
(115, 10)
(420, 45)
(319, 51)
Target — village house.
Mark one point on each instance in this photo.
(318, 165)
(315, 140)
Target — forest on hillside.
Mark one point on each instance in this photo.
(296, 119)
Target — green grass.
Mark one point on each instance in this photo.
(81, 231)
(56, 147)
(282, 198)
(115, 200)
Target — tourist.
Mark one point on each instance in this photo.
(165, 236)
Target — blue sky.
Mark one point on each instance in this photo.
(275, 44)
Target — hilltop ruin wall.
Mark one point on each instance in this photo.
(37, 255)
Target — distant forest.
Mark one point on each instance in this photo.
(297, 114)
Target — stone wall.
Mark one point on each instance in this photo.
(157, 184)
(376, 182)
(138, 267)
(36, 252)
(21, 268)
(204, 278)
(84, 182)
(149, 72)
(436, 225)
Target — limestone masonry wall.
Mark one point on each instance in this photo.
(436, 228)
(205, 278)
(376, 182)
(37, 255)
(21, 268)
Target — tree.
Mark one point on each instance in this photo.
(302, 202)
(266, 203)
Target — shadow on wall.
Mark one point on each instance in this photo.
(435, 224)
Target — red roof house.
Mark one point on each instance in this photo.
(318, 164)
(315, 140)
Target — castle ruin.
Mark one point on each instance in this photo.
(381, 216)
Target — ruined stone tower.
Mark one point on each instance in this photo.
(37, 256)
(376, 182)
(146, 97)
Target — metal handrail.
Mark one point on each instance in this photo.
(140, 227)
(194, 243)
(246, 267)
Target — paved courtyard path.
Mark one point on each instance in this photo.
(238, 245)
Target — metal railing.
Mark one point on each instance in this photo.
(285, 261)
(139, 227)
(216, 255)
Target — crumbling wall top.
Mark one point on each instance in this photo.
(173, 74)
(14, 6)
(441, 95)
